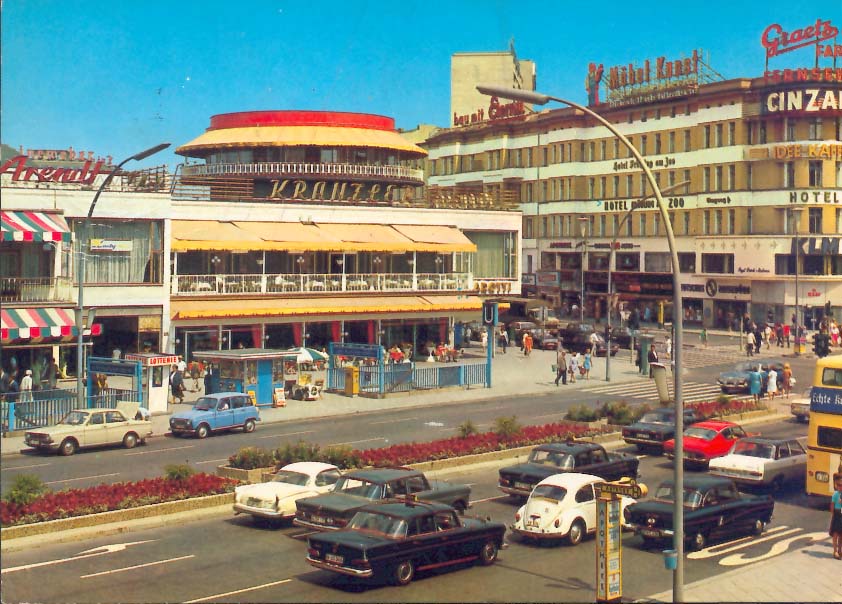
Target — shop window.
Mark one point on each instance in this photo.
(627, 261)
(597, 261)
(718, 263)
(815, 220)
(687, 262)
(815, 171)
(784, 264)
(657, 262)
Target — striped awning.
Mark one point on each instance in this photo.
(34, 226)
(35, 325)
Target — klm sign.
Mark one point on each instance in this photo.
(815, 246)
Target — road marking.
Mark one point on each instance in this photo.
(748, 542)
(489, 499)
(286, 434)
(37, 465)
(354, 442)
(211, 461)
(777, 548)
(394, 421)
(239, 591)
(119, 570)
(88, 553)
(550, 415)
(159, 450)
(83, 478)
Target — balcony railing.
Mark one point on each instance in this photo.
(35, 289)
(213, 285)
(277, 168)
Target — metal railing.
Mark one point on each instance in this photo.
(211, 285)
(36, 289)
(407, 377)
(49, 406)
(304, 168)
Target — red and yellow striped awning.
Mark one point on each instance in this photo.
(35, 325)
(34, 226)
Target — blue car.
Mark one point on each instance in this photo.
(216, 412)
(737, 380)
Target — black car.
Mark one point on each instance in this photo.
(656, 426)
(571, 456)
(575, 329)
(544, 339)
(714, 510)
(393, 541)
(737, 380)
(622, 336)
(582, 343)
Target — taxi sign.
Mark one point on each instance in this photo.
(629, 488)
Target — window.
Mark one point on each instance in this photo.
(642, 225)
(616, 180)
(629, 227)
(718, 135)
(732, 219)
(706, 137)
(686, 217)
(749, 177)
(143, 264)
(602, 149)
(815, 170)
(749, 133)
(687, 262)
(603, 187)
(629, 187)
(706, 179)
(814, 217)
(816, 129)
(762, 133)
(717, 222)
(706, 222)
(732, 133)
(732, 178)
(718, 183)
(643, 144)
(591, 154)
(687, 140)
(657, 262)
(789, 175)
(657, 144)
(656, 224)
(628, 261)
(615, 225)
(749, 221)
(789, 129)
(602, 225)
(616, 148)
(671, 178)
(584, 494)
(96, 419)
(114, 417)
(718, 263)
(591, 186)
(687, 180)
(327, 477)
(671, 142)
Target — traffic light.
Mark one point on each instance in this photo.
(821, 344)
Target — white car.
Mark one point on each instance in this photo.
(763, 462)
(562, 506)
(800, 407)
(275, 500)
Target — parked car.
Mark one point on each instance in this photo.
(737, 380)
(562, 506)
(81, 428)
(763, 462)
(714, 510)
(393, 541)
(520, 328)
(353, 490)
(571, 456)
(705, 440)
(275, 500)
(216, 412)
(544, 339)
(655, 427)
(575, 329)
(623, 337)
(581, 342)
(800, 407)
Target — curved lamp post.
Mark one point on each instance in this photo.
(537, 98)
(80, 341)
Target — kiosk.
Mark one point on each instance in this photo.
(155, 378)
(257, 372)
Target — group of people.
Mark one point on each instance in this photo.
(759, 335)
(194, 370)
(18, 384)
(776, 381)
(568, 367)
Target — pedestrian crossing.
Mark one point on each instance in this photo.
(695, 357)
(693, 392)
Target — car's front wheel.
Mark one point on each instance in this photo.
(404, 573)
(130, 440)
(248, 426)
(758, 527)
(202, 431)
(488, 553)
(698, 542)
(68, 447)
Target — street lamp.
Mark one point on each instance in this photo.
(80, 325)
(583, 232)
(795, 213)
(536, 98)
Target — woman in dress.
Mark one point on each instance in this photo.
(786, 380)
(586, 365)
(836, 516)
(754, 381)
(772, 383)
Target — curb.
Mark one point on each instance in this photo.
(225, 500)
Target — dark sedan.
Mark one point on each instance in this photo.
(655, 427)
(623, 336)
(737, 380)
(393, 541)
(582, 343)
(544, 339)
(714, 510)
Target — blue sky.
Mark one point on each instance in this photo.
(117, 77)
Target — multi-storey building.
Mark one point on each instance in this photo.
(757, 213)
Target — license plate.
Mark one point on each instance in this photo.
(253, 501)
(642, 435)
(318, 519)
(650, 533)
(524, 486)
(334, 559)
(533, 523)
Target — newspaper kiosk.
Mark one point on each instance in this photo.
(155, 378)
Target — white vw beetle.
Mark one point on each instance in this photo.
(562, 506)
(275, 500)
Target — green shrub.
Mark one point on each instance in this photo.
(342, 457)
(581, 413)
(618, 413)
(25, 489)
(466, 429)
(249, 458)
(506, 427)
(178, 471)
(299, 451)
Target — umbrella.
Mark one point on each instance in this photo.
(306, 355)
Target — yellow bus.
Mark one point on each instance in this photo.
(824, 434)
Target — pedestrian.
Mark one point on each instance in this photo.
(836, 516)
(594, 339)
(772, 383)
(586, 365)
(758, 340)
(527, 344)
(208, 378)
(561, 367)
(503, 340)
(749, 343)
(785, 328)
(834, 333)
(483, 338)
(26, 387)
(779, 334)
(177, 385)
(786, 380)
(755, 379)
(50, 375)
(652, 357)
(703, 337)
(195, 372)
(573, 367)
(767, 336)
(669, 347)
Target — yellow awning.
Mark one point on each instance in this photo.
(436, 238)
(368, 237)
(211, 235)
(293, 136)
(302, 307)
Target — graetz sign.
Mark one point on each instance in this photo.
(776, 41)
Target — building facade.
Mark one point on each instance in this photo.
(753, 170)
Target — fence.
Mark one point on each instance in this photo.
(407, 377)
(49, 406)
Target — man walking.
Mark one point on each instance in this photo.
(561, 366)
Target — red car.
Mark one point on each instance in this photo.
(705, 440)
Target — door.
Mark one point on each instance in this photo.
(115, 427)
(224, 415)
(240, 409)
(586, 506)
(95, 432)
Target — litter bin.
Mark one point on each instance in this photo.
(670, 559)
(352, 381)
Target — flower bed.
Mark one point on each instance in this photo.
(108, 497)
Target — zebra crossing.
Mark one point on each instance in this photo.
(693, 392)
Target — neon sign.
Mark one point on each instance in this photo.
(777, 41)
(21, 172)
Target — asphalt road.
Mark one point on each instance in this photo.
(363, 430)
(230, 559)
